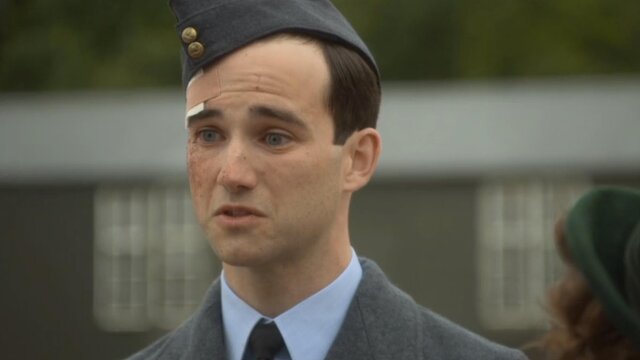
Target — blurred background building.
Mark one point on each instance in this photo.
(496, 116)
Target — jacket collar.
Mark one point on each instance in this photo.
(382, 323)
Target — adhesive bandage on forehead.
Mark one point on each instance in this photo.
(204, 86)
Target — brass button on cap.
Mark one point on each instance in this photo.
(195, 50)
(189, 35)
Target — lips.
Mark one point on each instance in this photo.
(237, 211)
(238, 217)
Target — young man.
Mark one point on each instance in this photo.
(282, 101)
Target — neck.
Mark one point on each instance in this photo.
(275, 288)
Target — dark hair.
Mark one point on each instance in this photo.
(354, 91)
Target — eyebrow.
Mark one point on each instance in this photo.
(278, 114)
(204, 114)
(256, 110)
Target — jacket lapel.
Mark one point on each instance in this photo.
(206, 340)
(382, 322)
(351, 343)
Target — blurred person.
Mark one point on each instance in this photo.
(282, 103)
(595, 307)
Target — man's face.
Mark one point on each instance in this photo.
(265, 176)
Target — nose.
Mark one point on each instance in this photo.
(236, 172)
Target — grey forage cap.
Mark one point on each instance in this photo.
(210, 29)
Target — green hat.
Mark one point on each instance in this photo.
(603, 236)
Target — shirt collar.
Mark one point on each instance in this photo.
(308, 328)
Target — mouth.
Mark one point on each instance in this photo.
(237, 211)
(237, 217)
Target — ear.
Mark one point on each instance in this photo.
(361, 159)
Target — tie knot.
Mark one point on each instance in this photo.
(265, 341)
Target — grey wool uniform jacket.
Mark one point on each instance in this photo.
(382, 323)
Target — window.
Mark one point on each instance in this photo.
(152, 264)
(517, 259)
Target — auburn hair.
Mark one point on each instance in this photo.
(580, 328)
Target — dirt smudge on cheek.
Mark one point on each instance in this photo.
(196, 169)
(192, 167)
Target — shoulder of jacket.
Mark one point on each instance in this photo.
(453, 341)
(166, 347)
(397, 324)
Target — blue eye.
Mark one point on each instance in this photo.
(209, 136)
(275, 139)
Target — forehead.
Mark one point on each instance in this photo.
(282, 66)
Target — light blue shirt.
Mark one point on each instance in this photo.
(308, 328)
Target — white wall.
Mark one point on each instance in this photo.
(428, 129)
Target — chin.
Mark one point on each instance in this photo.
(241, 256)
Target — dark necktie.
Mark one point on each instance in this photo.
(265, 341)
